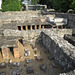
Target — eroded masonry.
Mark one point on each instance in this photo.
(55, 32)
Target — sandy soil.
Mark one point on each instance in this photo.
(35, 64)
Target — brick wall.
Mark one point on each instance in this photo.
(5, 53)
(16, 52)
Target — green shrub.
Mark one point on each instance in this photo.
(62, 5)
(35, 2)
(73, 5)
(11, 5)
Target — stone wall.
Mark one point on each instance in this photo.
(22, 16)
(70, 17)
(35, 33)
(5, 53)
(18, 16)
(61, 50)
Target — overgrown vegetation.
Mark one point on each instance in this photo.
(35, 2)
(60, 5)
(73, 5)
(11, 5)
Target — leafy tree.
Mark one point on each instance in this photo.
(59, 5)
(62, 5)
(73, 5)
(46, 2)
(11, 5)
(22, 0)
(35, 2)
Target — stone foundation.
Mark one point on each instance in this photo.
(61, 50)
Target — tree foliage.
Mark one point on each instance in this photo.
(35, 2)
(11, 5)
(59, 5)
(73, 5)
(62, 5)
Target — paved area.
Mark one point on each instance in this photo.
(34, 64)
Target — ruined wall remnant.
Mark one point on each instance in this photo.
(70, 17)
(5, 53)
(16, 16)
(22, 16)
(62, 51)
(35, 33)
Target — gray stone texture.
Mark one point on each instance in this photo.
(70, 17)
(35, 33)
(62, 51)
(22, 16)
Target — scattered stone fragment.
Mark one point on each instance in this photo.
(21, 70)
(16, 64)
(28, 61)
(29, 70)
(43, 67)
(26, 50)
(27, 53)
(10, 61)
(54, 65)
(3, 65)
(39, 58)
(16, 72)
(25, 65)
(10, 66)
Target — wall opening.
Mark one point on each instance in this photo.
(19, 27)
(37, 26)
(49, 26)
(64, 26)
(28, 27)
(1, 51)
(41, 26)
(45, 26)
(60, 27)
(55, 27)
(11, 50)
(33, 27)
(21, 41)
(24, 28)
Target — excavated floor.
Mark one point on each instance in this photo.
(35, 64)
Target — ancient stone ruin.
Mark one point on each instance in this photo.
(54, 31)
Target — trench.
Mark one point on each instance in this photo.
(41, 52)
(46, 48)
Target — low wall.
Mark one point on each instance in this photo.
(31, 34)
(34, 35)
(70, 17)
(61, 50)
(18, 16)
(22, 16)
